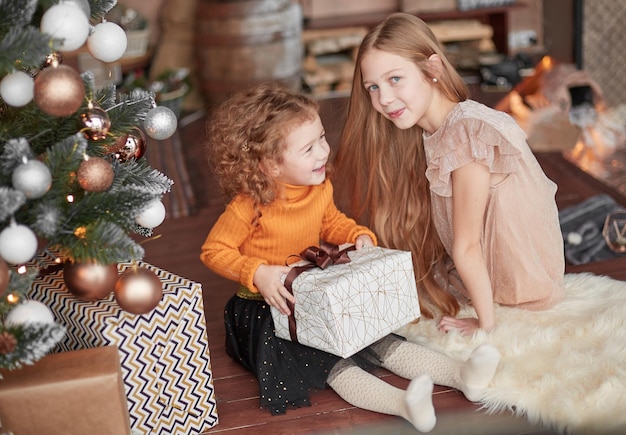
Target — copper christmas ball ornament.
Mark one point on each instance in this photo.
(94, 122)
(132, 145)
(95, 174)
(138, 290)
(90, 281)
(4, 277)
(59, 90)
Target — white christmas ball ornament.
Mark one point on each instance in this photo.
(82, 4)
(107, 42)
(152, 216)
(17, 89)
(18, 244)
(67, 22)
(29, 312)
(33, 178)
(160, 122)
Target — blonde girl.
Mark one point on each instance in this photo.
(445, 177)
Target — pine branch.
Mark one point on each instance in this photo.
(10, 201)
(63, 160)
(131, 111)
(16, 13)
(137, 173)
(12, 55)
(13, 153)
(119, 207)
(99, 241)
(19, 283)
(100, 8)
(34, 341)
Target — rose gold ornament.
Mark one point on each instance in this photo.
(4, 277)
(53, 59)
(138, 290)
(90, 281)
(132, 145)
(94, 122)
(95, 174)
(59, 90)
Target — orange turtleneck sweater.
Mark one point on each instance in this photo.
(299, 218)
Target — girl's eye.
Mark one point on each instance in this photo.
(371, 88)
(394, 79)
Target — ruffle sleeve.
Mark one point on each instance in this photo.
(473, 140)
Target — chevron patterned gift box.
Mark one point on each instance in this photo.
(345, 307)
(164, 354)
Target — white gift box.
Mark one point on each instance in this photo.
(346, 307)
(164, 354)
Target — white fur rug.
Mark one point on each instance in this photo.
(564, 367)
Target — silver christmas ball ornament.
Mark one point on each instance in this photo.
(160, 123)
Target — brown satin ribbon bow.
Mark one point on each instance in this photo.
(327, 254)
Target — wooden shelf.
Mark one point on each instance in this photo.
(496, 17)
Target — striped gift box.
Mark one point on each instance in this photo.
(164, 354)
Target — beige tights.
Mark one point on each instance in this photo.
(364, 390)
(472, 377)
(424, 367)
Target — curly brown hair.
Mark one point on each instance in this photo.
(249, 129)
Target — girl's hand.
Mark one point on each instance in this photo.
(466, 326)
(362, 241)
(269, 280)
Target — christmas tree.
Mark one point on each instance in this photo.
(74, 182)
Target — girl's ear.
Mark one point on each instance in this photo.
(435, 65)
(269, 167)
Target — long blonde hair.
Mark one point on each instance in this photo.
(380, 169)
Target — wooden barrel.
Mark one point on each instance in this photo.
(242, 43)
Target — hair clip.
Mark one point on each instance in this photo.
(245, 147)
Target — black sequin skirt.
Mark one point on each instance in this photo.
(286, 372)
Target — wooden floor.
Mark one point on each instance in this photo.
(177, 250)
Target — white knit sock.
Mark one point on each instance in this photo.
(478, 371)
(419, 403)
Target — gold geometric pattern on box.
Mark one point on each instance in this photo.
(345, 308)
(164, 354)
(604, 40)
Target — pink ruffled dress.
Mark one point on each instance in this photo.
(521, 239)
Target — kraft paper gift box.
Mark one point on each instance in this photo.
(164, 354)
(344, 308)
(69, 393)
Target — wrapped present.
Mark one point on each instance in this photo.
(70, 393)
(346, 301)
(164, 354)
